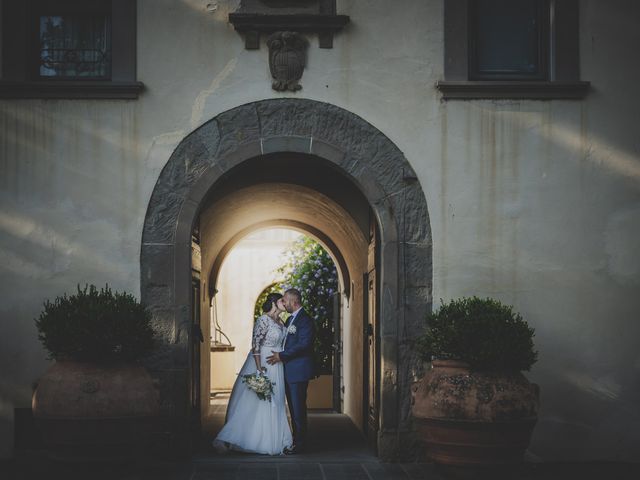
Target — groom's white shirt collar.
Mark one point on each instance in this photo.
(293, 315)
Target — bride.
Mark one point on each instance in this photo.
(254, 425)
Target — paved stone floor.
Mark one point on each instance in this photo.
(337, 451)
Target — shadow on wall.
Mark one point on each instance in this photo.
(572, 395)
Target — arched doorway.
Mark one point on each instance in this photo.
(317, 150)
(271, 259)
(250, 266)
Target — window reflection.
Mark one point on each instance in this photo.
(507, 38)
(77, 45)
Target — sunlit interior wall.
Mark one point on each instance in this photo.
(533, 202)
(247, 270)
(245, 207)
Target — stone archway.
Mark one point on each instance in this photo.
(361, 153)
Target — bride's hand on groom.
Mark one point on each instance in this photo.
(274, 358)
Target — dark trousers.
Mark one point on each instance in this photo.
(297, 400)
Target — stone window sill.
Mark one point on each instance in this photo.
(524, 90)
(70, 89)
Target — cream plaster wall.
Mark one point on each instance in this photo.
(536, 203)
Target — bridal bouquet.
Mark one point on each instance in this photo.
(259, 383)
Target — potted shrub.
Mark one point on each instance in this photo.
(474, 406)
(96, 401)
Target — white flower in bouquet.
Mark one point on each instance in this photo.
(259, 383)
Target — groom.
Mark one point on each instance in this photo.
(297, 357)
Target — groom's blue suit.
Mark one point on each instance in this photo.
(297, 357)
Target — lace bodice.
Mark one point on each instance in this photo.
(267, 333)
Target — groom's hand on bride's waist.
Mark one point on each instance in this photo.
(274, 358)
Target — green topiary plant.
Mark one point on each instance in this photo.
(311, 270)
(485, 333)
(95, 326)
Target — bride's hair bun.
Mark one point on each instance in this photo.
(271, 299)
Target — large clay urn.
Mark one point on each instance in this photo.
(92, 412)
(470, 417)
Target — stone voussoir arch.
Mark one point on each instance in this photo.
(359, 151)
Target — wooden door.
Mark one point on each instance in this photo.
(371, 344)
(337, 354)
(196, 341)
(196, 338)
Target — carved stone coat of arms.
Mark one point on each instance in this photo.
(287, 59)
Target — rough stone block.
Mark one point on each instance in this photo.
(183, 287)
(198, 191)
(173, 384)
(191, 157)
(403, 445)
(160, 358)
(387, 220)
(237, 126)
(235, 155)
(286, 144)
(162, 216)
(414, 296)
(410, 206)
(164, 325)
(156, 265)
(415, 319)
(338, 127)
(165, 381)
(417, 225)
(388, 445)
(157, 296)
(387, 162)
(209, 135)
(183, 324)
(186, 219)
(366, 181)
(389, 381)
(417, 264)
(388, 311)
(327, 151)
(287, 116)
(417, 302)
(187, 163)
(409, 371)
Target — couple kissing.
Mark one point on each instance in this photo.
(283, 353)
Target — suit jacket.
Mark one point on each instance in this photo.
(297, 355)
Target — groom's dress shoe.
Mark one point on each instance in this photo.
(293, 450)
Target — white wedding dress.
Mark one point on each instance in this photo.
(254, 425)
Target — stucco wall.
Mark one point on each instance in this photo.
(533, 202)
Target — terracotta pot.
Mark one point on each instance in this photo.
(473, 418)
(90, 412)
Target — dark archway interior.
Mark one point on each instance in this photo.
(311, 195)
(298, 169)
